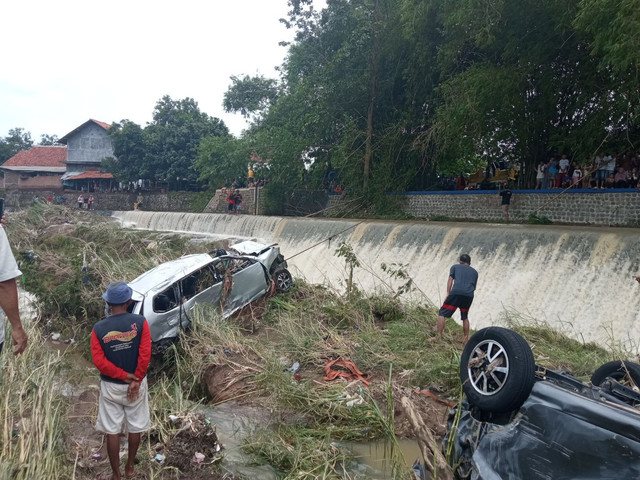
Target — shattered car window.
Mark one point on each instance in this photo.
(165, 301)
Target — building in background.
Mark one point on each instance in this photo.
(40, 167)
(87, 145)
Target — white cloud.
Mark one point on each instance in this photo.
(70, 60)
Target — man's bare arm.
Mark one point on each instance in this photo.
(9, 304)
(449, 284)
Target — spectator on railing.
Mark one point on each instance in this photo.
(633, 177)
(609, 182)
(563, 170)
(621, 178)
(541, 171)
(553, 172)
(576, 176)
(601, 172)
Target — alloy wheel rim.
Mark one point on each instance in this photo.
(283, 281)
(488, 367)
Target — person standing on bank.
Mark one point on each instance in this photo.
(506, 200)
(461, 286)
(9, 294)
(121, 351)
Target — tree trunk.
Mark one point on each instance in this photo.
(372, 100)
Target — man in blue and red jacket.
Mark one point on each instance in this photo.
(121, 350)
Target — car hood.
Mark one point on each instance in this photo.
(265, 254)
(556, 434)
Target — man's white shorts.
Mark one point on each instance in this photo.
(114, 408)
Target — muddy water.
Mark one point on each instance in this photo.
(373, 458)
(235, 422)
(577, 279)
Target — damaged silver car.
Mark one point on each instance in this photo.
(166, 294)
(521, 421)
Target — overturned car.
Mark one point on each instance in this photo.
(520, 421)
(166, 294)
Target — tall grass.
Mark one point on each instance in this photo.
(32, 414)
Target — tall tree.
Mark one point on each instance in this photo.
(17, 139)
(167, 148)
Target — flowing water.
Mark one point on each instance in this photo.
(577, 279)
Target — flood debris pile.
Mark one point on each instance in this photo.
(193, 448)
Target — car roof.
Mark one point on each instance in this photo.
(168, 272)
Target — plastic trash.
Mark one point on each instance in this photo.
(295, 367)
(173, 418)
(159, 458)
(55, 336)
(96, 455)
(198, 457)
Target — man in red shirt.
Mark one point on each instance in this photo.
(121, 350)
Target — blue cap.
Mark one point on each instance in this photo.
(117, 293)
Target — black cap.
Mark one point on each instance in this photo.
(464, 258)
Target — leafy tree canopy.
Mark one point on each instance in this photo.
(17, 139)
(250, 96)
(167, 148)
(48, 139)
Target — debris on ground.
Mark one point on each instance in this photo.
(194, 433)
(344, 369)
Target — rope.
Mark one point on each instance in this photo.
(329, 238)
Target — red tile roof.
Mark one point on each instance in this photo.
(64, 139)
(40, 156)
(91, 175)
(106, 126)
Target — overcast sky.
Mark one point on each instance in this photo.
(66, 61)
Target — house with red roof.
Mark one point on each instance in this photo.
(39, 167)
(87, 145)
(76, 163)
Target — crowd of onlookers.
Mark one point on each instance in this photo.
(233, 198)
(605, 171)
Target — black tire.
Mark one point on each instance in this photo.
(511, 377)
(283, 280)
(625, 373)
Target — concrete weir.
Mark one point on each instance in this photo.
(577, 279)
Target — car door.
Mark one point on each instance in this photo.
(163, 322)
(202, 286)
(249, 282)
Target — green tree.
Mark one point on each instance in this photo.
(519, 83)
(166, 149)
(48, 139)
(250, 96)
(223, 159)
(17, 139)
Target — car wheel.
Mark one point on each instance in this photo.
(497, 370)
(625, 373)
(283, 280)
